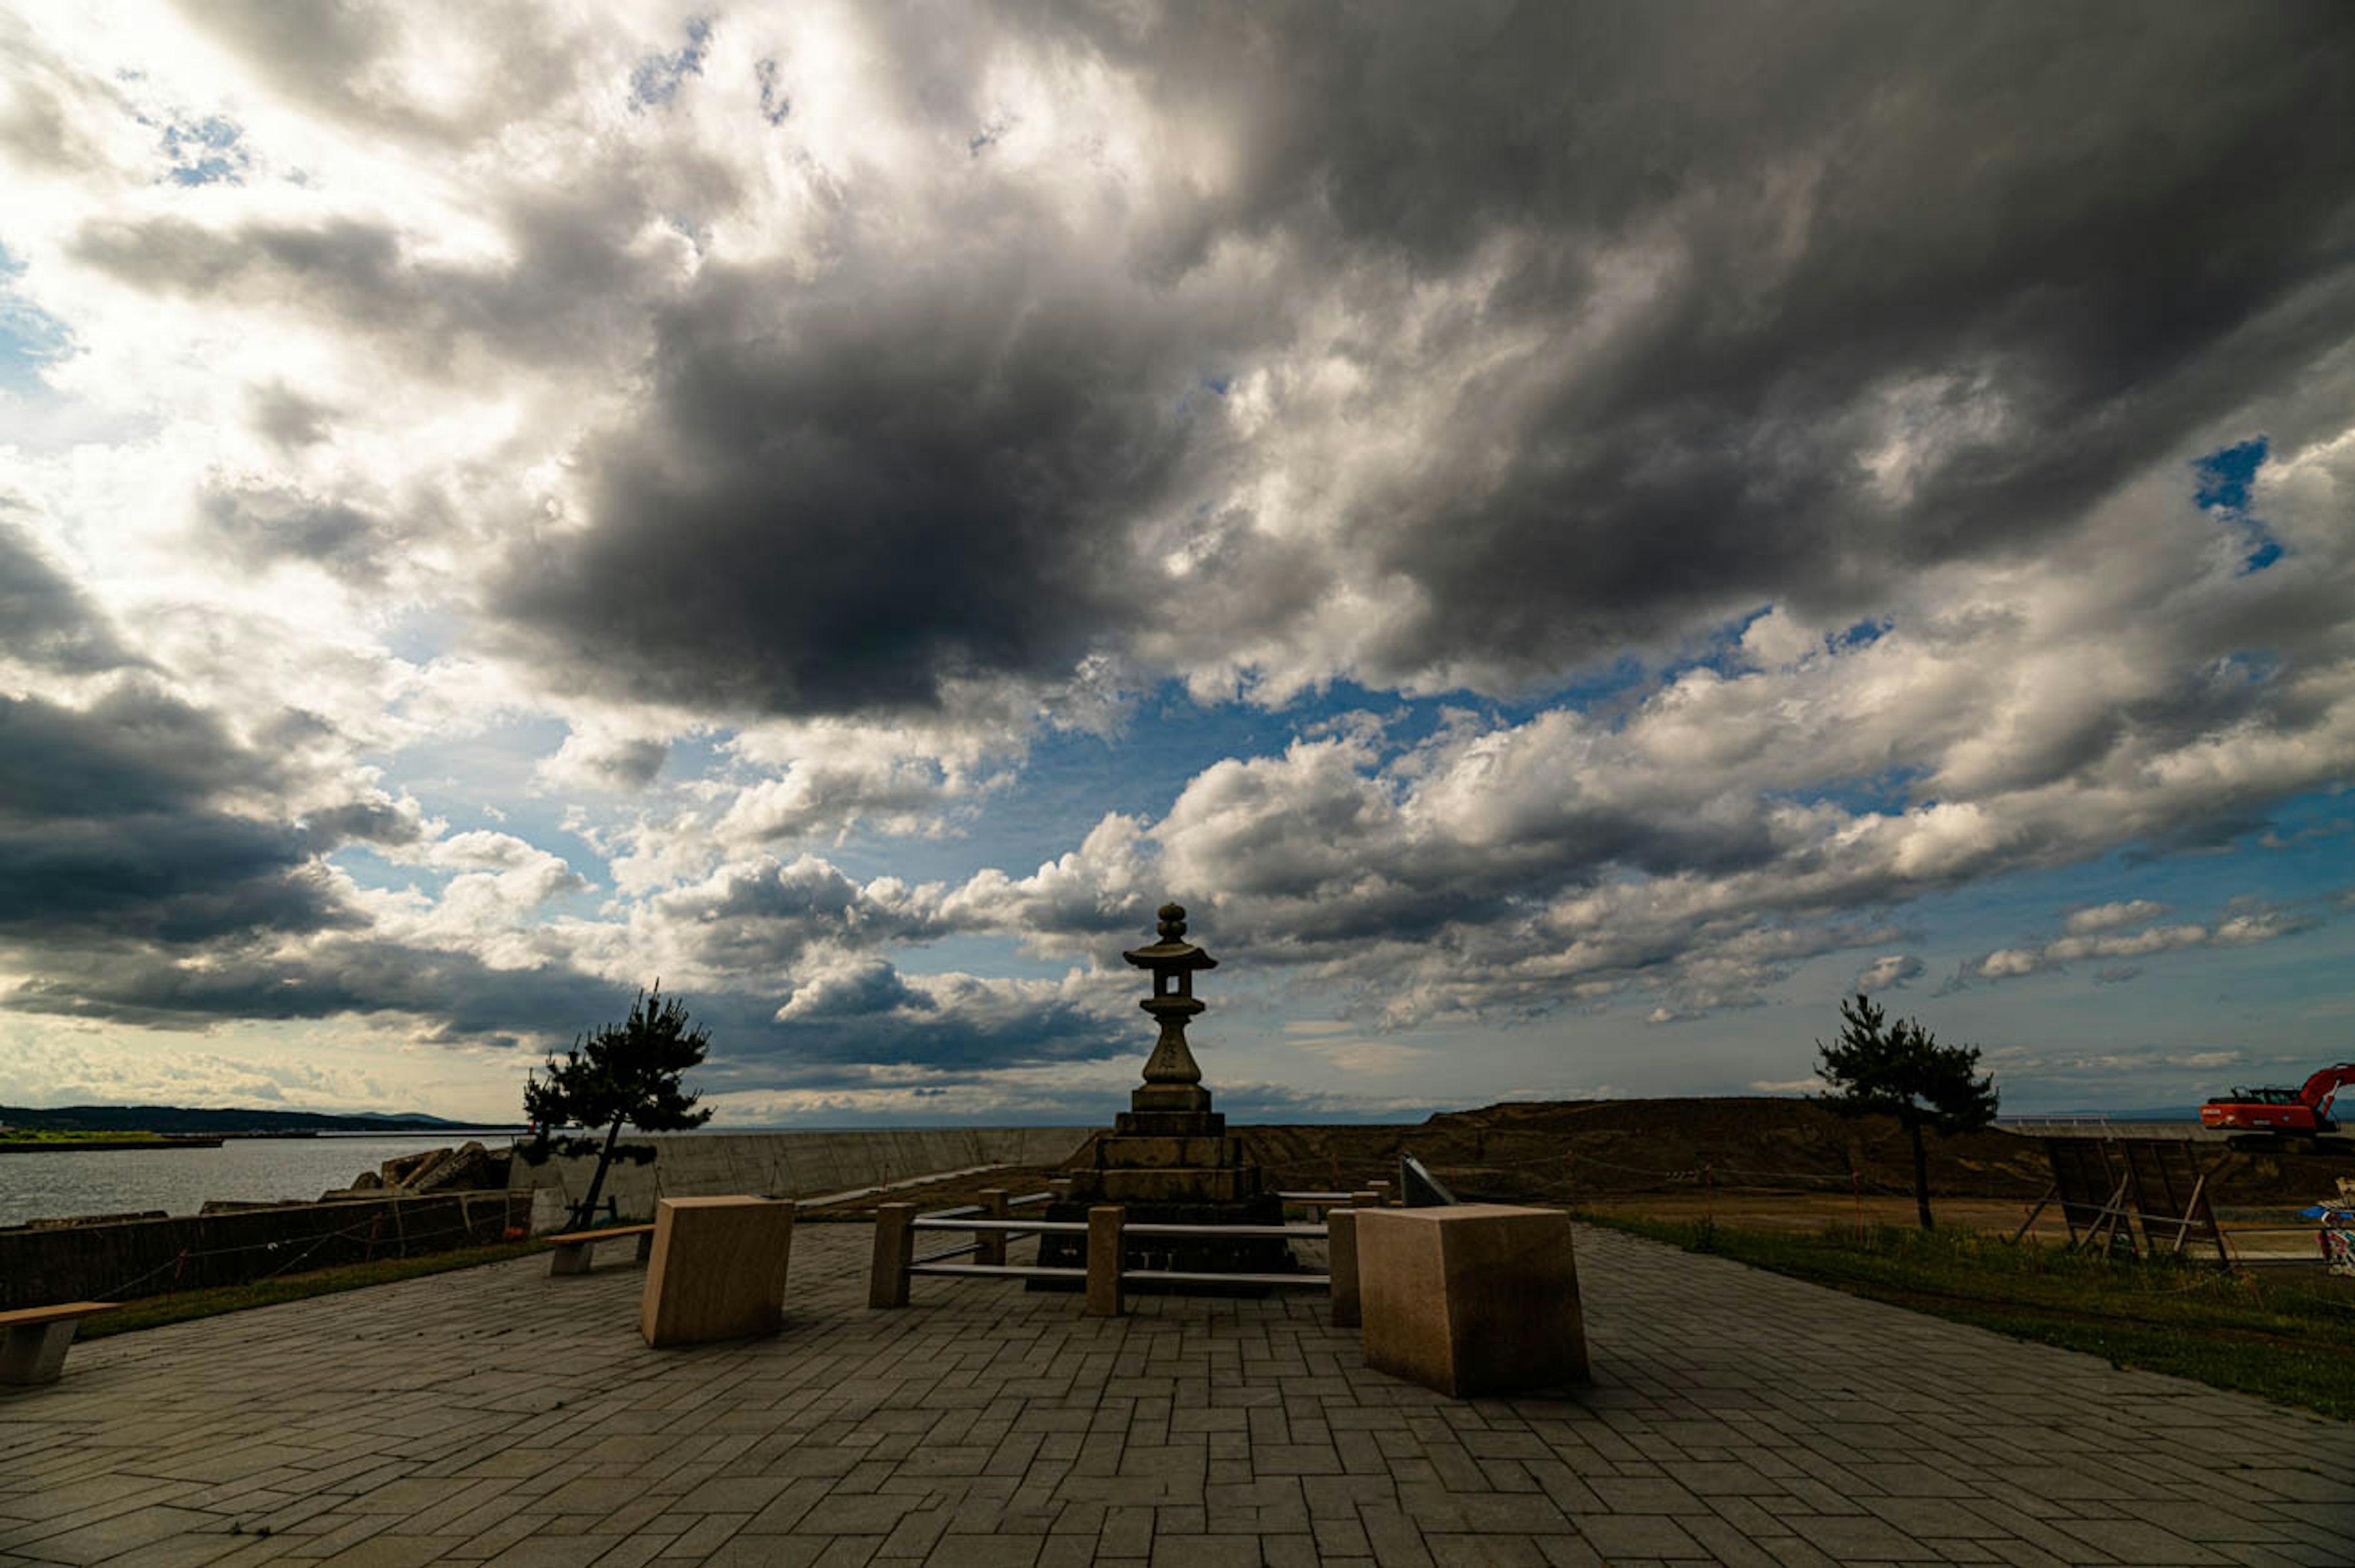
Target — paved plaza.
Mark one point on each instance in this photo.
(497, 1415)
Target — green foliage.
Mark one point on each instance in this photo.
(1879, 1068)
(2290, 1341)
(628, 1073)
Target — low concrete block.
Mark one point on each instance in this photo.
(1476, 1298)
(35, 1352)
(717, 1270)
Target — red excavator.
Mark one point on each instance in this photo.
(2280, 1115)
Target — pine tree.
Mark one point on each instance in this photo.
(1878, 1067)
(625, 1072)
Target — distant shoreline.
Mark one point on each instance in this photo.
(103, 1145)
(112, 1142)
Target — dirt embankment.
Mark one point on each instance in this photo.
(1596, 1151)
(1572, 1151)
(1568, 1151)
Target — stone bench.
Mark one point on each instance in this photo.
(1472, 1298)
(34, 1349)
(717, 1270)
(573, 1247)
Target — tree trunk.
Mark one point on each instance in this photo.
(1921, 1177)
(588, 1216)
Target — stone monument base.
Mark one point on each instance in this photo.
(1172, 1167)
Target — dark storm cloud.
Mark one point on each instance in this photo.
(288, 419)
(46, 620)
(109, 828)
(259, 526)
(550, 304)
(2045, 246)
(845, 491)
(136, 751)
(149, 984)
(2115, 223)
(330, 54)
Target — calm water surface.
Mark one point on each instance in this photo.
(178, 1180)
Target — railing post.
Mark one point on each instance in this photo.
(895, 1249)
(992, 1242)
(1105, 1250)
(1341, 1263)
(1365, 1199)
(1381, 1193)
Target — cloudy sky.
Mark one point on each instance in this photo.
(1569, 536)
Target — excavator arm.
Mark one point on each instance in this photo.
(2318, 1089)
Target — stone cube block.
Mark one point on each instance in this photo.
(717, 1270)
(1472, 1298)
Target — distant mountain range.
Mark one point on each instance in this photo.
(191, 1119)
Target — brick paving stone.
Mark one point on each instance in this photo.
(497, 1416)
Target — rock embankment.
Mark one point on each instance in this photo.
(469, 1168)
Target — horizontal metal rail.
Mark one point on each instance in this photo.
(1193, 1276)
(1109, 1244)
(1026, 1202)
(1302, 1231)
(998, 1271)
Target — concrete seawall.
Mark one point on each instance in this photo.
(126, 1259)
(791, 1164)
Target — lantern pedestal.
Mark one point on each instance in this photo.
(1169, 1159)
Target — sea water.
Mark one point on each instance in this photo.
(179, 1180)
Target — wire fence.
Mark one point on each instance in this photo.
(77, 1266)
(1559, 1169)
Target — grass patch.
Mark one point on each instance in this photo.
(70, 1137)
(155, 1311)
(2291, 1342)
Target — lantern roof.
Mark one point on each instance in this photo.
(1173, 952)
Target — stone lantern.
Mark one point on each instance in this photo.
(1172, 1080)
(1169, 1159)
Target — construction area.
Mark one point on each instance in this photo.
(1769, 1163)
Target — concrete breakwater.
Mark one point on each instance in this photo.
(125, 1259)
(789, 1164)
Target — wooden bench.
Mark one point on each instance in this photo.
(34, 1350)
(572, 1248)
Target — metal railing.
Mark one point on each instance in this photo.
(1105, 1277)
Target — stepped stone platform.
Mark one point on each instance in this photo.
(1168, 1160)
(498, 1416)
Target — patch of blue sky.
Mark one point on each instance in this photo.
(698, 755)
(1864, 634)
(2223, 481)
(1072, 780)
(775, 107)
(489, 781)
(656, 79)
(2226, 476)
(1886, 793)
(990, 957)
(2304, 857)
(422, 636)
(205, 152)
(30, 339)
